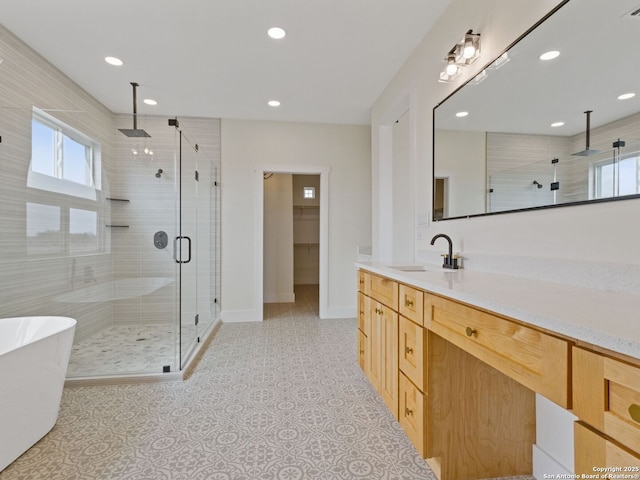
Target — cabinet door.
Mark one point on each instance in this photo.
(364, 318)
(363, 351)
(375, 344)
(411, 351)
(412, 413)
(595, 451)
(389, 356)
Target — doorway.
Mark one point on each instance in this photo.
(314, 245)
(291, 245)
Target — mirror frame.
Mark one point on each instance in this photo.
(525, 209)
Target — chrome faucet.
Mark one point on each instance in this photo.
(450, 261)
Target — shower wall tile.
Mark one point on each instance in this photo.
(30, 283)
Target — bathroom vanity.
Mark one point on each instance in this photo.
(458, 357)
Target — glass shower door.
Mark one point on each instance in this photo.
(187, 246)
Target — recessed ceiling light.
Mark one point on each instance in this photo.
(150, 101)
(276, 32)
(557, 124)
(549, 55)
(113, 61)
(626, 96)
(273, 103)
(462, 114)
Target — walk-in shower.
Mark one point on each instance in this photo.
(97, 228)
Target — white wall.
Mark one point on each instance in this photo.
(464, 167)
(249, 147)
(278, 239)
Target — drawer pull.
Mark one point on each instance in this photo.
(408, 350)
(408, 412)
(362, 352)
(408, 303)
(470, 332)
(634, 411)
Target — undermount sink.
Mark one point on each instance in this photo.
(410, 268)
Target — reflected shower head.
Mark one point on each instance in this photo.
(587, 151)
(135, 131)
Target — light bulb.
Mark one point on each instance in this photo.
(452, 69)
(469, 50)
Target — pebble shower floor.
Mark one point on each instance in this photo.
(283, 399)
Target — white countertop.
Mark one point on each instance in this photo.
(608, 319)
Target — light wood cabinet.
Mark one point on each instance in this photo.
(411, 413)
(596, 451)
(412, 350)
(606, 398)
(533, 358)
(460, 380)
(378, 324)
(411, 303)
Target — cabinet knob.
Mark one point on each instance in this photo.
(634, 411)
(408, 412)
(362, 352)
(408, 350)
(470, 332)
(408, 303)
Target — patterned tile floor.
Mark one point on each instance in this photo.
(281, 399)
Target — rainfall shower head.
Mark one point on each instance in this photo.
(135, 131)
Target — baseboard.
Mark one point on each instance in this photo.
(340, 312)
(232, 316)
(543, 464)
(279, 297)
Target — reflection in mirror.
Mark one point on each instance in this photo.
(522, 144)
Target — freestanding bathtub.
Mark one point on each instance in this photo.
(34, 354)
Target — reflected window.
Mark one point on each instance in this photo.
(83, 231)
(44, 235)
(611, 179)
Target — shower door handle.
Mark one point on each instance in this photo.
(175, 249)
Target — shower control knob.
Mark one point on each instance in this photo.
(160, 239)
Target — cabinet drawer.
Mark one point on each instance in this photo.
(535, 359)
(364, 323)
(412, 352)
(363, 282)
(593, 450)
(384, 291)
(411, 303)
(606, 395)
(412, 413)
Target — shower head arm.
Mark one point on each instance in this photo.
(135, 106)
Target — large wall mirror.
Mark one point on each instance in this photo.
(527, 141)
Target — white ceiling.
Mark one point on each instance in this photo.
(212, 58)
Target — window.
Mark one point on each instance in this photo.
(309, 192)
(609, 179)
(63, 160)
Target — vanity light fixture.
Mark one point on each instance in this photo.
(277, 33)
(626, 96)
(550, 55)
(463, 53)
